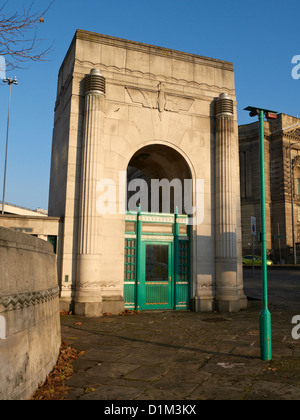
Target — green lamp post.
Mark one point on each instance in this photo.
(265, 316)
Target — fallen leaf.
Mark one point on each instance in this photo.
(65, 313)
(89, 389)
(129, 312)
(54, 387)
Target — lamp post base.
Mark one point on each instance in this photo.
(265, 335)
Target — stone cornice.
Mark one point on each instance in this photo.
(151, 49)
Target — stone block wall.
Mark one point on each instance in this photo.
(29, 314)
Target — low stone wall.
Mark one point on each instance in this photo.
(29, 314)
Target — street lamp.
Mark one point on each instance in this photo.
(265, 316)
(10, 82)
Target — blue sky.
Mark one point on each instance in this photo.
(259, 37)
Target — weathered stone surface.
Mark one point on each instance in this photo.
(29, 304)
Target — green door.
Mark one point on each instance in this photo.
(157, 276)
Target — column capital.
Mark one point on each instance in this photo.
(94, 83)
(224, 106)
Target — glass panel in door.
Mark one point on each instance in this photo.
(158, 276)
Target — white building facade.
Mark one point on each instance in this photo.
(145, 174)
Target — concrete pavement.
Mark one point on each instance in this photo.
(175, 356)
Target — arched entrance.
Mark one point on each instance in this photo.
(157, 236)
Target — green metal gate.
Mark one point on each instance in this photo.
(157, 262)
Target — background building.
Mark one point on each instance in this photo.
(22, 211)
(282, 169)
(35, 223)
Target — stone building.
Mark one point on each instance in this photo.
(35, 223)
(131, 119)
(282, 174)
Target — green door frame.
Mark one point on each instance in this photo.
(161, 290)
(178, 241)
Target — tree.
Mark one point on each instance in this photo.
(18, 35)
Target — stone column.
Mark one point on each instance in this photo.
(88, 299)
(227, 297)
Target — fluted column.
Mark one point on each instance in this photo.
(88, 299)
(227, 298)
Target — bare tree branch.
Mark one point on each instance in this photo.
(18, 35)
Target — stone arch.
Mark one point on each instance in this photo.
(166, 175)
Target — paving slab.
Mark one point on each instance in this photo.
(220, 361)
(186, 356)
